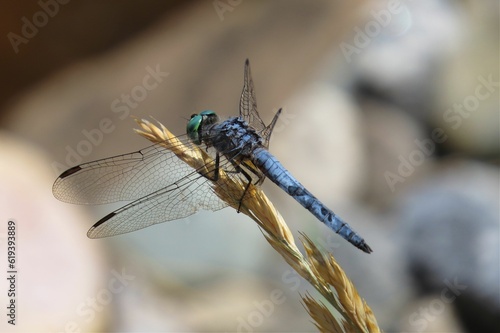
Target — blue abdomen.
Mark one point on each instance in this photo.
(276, 172)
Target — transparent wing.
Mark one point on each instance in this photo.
(120, 178)
(248, 103)
(163, 186)
(177, 200)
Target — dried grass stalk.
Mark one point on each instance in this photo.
(320, 270)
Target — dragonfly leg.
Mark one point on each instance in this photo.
(216, 174)
(255, 171)
(249, 178)
(239, 169)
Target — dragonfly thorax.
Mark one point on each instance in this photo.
(233, 137)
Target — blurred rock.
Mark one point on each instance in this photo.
(228, 300)
(319, 139)
(450, 232)
(59, 269)
(402, 62)
(393, 140)
(73, 31)
(467, 103)
(447, 321)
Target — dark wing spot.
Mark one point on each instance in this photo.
(101, 221)
(70, 171)
(324, 212)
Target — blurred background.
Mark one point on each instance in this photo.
(390, 118)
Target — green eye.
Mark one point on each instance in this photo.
(207, 113)
(193, 127)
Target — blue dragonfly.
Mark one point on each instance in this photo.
(163, 188)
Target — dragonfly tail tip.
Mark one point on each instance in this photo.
(365, 248)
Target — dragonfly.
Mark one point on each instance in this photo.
(161, 187)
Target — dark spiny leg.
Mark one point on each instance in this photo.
(250, 167)
(216, 174)
(255, 171)
(247, 176)
(238, 169)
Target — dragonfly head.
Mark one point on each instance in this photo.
(196, 123)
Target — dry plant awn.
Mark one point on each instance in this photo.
(322, 271)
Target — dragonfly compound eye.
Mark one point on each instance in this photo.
(209, 117)
(197, 121)
(193, 127)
